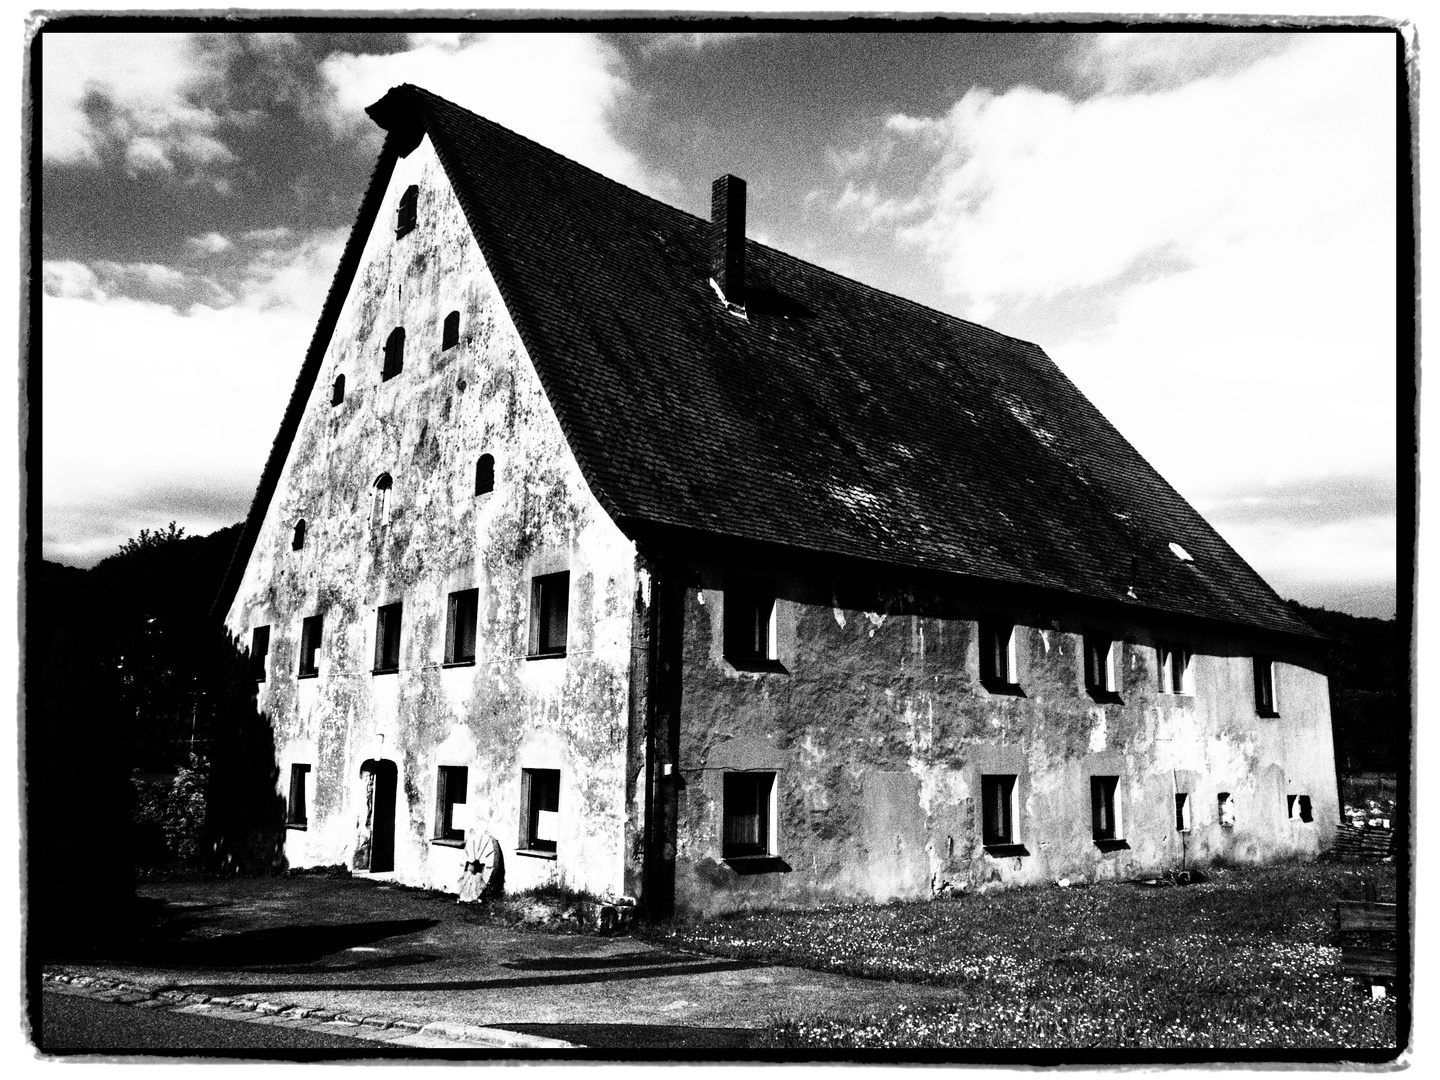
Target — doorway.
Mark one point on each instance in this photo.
(375, 846)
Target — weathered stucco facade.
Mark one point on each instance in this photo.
(426, 428)
(826, 597)
(878, 728)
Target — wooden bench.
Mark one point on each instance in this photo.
(1367, 940)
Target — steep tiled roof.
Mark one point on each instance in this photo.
(833, 417)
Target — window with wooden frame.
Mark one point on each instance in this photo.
(750, 636)
(1265, 703)
(461, 618)
(337, 390)
(407, 211)
(387, 639)
(1101, 662)
(296, 811)
(747, 813)
(451, 784)
(485, 474)
(997, 810)
(539, 810)
(1105, 808)
(310, 631)
(999, 666)
(259, 652)
(549, 614)
(394, 354)
(450, 332)
(1175, 669)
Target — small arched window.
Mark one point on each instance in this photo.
(405, 211)
(380, 502)
(450, 337)
(394, 354)
(337, 392)
(484, 474)
(298, 541)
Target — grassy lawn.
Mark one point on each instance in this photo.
(1247, 959)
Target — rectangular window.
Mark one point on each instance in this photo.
(296, 815)
(1265, 703)
(1225, 810)
(999, 669)
(310, 630)
(1175, 670)
(451, 784)
(259, 652)
(997, 799)
(1299, 807)
(549, 614)
(387, 639)
(1182, 811)
(539, 809)
(1100, 664)
(1105, 807)
(405, 211)
(749, 620)
(460, 622)
(747, 801)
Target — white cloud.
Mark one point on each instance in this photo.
(693, 42)
(142, 97)
(1141, 61)
(1213, 263)
(212, 243)
(202, 388)
(558, 89)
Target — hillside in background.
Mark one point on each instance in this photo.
(1369, 668)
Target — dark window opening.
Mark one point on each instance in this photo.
(549, 614)
(999, 669)
(394, 354)
(1100, 661)
(1175, 669)
(380, 501)
(1182, 811)
(539, 809)
(259, 652)
(298, 540)
(747, 798)
(460, 624)
(1298, 807)
(485, 474)
(337, 390)
(451, 784)
(1265, 686)
(405, 211)
(450, 335)
(1105, 807)
(749, 620)
(310, 630)
(295, 810)
(997, 816)
(387, 639)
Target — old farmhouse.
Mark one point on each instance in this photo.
(696, 573)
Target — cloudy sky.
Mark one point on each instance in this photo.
(1199, 228)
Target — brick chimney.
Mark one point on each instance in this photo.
(727, 238)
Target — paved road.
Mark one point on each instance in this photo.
(71, 1023)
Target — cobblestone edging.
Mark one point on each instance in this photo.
(366, 1025)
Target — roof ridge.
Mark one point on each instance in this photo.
(430, 94)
